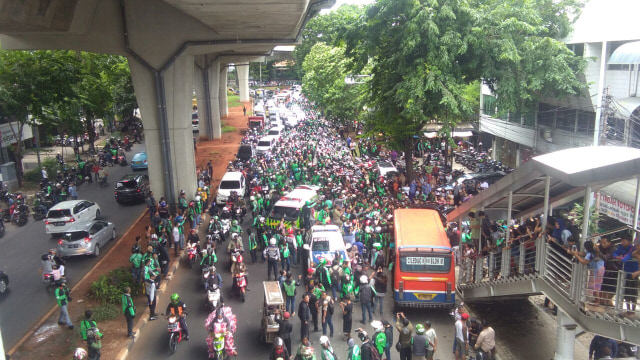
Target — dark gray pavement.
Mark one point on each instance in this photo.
(26, 300)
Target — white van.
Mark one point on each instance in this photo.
(265, 144)
(64, 214)
(326, 240)
(289, 206)
(231, 181)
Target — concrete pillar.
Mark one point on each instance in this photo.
(206, 83)
(243, 81)
(224, 105)
(565, 337)
(178, 89)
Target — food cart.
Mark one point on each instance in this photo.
(273, 300)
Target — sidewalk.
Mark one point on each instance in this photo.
(30, 159)
(49, 340)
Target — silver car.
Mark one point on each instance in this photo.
(86, 238)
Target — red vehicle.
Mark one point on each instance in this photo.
(256, 122)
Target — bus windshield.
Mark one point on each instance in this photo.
(425, 263)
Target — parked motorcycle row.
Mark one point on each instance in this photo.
(478, 161)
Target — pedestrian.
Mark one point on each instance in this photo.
(380, 286)
(304, 313)
(598, 346)
(388, 332)
(95, 169)
(313, 305)
(272, 253)
(284, 329)
(327, 352)
(136, 262)
(175, 233)
(73, 191)
(45, 176)
(347, 317)
(244, 110)
(432, 340)
(163, 256)
(87, 324)
(150, 288)
(129, 311)
(366, 299)
(405, 330)
(253, 246)
(289, 286)
(63, 298)
(419, 344)
(151, 205)
(461, 342)
(354, 350)
(327, 314)
(486, 342)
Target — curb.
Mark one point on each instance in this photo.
(55, 307)
(144, 317)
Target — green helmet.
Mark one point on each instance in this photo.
(215, 217)
(378, 246)
(323, 262)
(234, 222)
(175, 298)
(420, 329)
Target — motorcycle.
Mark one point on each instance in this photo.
(39, 212)
(240, 284)
(53, 279)
(20, 215)
(175, 333)
(213, 298)
(192, 254)
(218, 346)
(205, 274)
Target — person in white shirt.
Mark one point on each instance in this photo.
(432, 340)
(461, 345)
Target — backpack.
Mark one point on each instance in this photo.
(335, 276)
(380, 259)
(375, 355)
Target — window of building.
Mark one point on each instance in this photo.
(586, 120)
(577, 49)
(488, 104)
(566, 119)
(546, 113)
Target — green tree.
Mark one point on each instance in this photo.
(30, 82)
(424, 53)
(325, 69)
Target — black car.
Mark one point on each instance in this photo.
(4, 282)
(245, 152)
(132, 187)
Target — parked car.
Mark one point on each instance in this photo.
(139, 161)
(132, 187)
(64, 214)
(4, 282)
(231, 181)
(385, 167)
(246, 152)
(86, 238)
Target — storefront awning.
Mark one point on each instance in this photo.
(432, 134)
(628, 53)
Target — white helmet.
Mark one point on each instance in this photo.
(272, 241)
(79, 354)
(252, 197)
(377, 325)
(198, 198)
(364, 279)
(234, 235)
(324, 340)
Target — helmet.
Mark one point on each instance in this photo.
(324, 340)
(377, 246)
(323, 262)
(362, 335)
(212, 269)
(163, 203)
(198, 198)
(79, 354)
(420, 329)
(199, 189)
(215, 217)
(377, 325)
(234, 235)
(279, 342)
(182, 192)
(364, 279)
(272, 241)
(234, 222)
(347, 277)
(175, 298)
(252, 198)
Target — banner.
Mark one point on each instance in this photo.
(615, 208)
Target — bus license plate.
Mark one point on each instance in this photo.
(421, 296)
(420, 260)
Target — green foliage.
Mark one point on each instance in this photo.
(108, 289)
(105, 312)
(233, 101)
(576, 215)
(228, 129)
(35, 175)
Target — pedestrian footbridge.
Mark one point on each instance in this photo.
(538, 267)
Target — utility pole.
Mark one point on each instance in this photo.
(606, 101)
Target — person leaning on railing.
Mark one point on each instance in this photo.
(592, 258)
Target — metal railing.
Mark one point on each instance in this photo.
(599, 293)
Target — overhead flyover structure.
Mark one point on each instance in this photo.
(536, 267)
(171, 45)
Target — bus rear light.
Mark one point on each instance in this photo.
(401, 289)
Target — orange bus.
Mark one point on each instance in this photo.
(424, 274)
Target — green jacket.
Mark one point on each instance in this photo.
(252, 242)
(136, 260)
(86, 325)
(354, 353)
(380, 340)
(127, 305)
(62, 296)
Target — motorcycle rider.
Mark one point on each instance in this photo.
(279, 351)
(51, 260)
(235, 228)
(214, 278)
(305, 351)
(272, 253)
(178, 308)
(210, 259)
(235, 243)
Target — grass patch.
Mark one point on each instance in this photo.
(105, 312)
(228, 129)
(233, 101)
(108, 289)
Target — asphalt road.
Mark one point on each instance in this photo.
(26, 300)
(153, 341)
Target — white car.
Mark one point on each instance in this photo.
(275, 132)
(64, 214)
(231, 181)
(385, 167)
(265, 144)
(326, 240)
